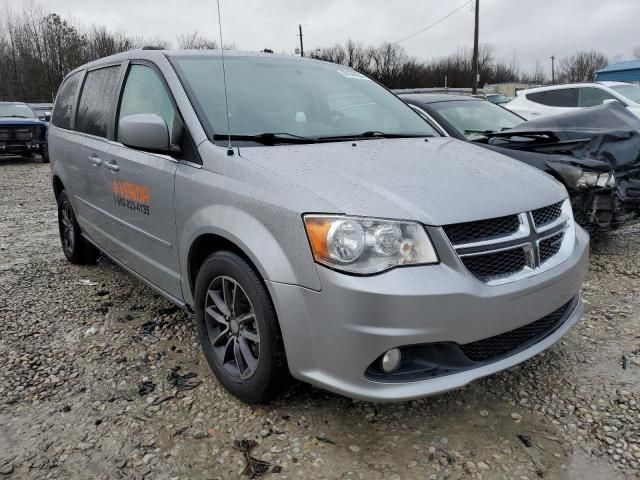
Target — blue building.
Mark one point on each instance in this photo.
(620, 72)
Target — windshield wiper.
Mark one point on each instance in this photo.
(13, 116)
(374, 134)
(268, 138)
(487, 132)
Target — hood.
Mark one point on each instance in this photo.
(592, 137)
(20, 121)
(437, 182)
(609, 116)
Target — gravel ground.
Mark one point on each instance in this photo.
(101, 378)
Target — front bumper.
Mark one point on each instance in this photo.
(15, 148)
(599, 210)
(332, 336)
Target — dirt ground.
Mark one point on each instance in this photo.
(95, 384)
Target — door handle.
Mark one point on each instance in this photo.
(113, 166)
(97, 161)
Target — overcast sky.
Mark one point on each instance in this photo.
(529, 29)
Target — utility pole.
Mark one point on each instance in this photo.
(474, 82)
(553, 70)
(301, 45)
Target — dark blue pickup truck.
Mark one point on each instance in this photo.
(21, 132)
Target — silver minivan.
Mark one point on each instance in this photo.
(313, 222)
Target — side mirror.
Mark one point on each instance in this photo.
(146, 131)
(47, 117)
(610, 101)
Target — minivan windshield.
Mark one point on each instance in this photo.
(292, 100)
(632, 92)
(16, 111)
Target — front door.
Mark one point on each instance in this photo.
(138, 189)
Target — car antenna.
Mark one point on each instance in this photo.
(224, 80)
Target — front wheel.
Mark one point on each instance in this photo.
(75, 247)
(238, 329)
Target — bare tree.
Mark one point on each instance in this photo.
(538, 76)
(636, 53)
(196, 41)
(390, 65)
(582, 66)
(38, 48)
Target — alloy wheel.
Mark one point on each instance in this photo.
(66, 226)
(232, 327)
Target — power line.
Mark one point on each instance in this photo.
(434, 23)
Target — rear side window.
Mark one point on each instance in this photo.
(562, 97)
(591, 96)
(64, 102)
(144, 92)
(96, 101)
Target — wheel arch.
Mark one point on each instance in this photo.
(281, 257)
(58, 186)
(207, 244)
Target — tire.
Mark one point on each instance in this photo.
(252, 372)
(44, 154)
(75, 247)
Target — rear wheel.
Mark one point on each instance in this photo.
(44, 154)
(238, 329)
(75, 247)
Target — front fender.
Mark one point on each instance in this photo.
(273, 258)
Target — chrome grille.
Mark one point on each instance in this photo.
(497, 264)
(546, 215)
(482, 229)
(503, 249)
(550, 246)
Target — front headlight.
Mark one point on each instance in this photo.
(595, 179)
(576, 177)
(367, 245)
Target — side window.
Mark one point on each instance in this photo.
(591, 96)
(561, 97)
(144, 92)
(536, 97)
(64, 102)
(97, 98)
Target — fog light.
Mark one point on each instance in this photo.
(391, 360)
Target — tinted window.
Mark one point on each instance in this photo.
(144, 92)
(591, 96)
(305, 98)
(562, 97)
(96, 101)
(64, 102)
(535, 97)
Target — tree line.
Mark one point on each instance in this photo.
(393, 67)
(38, 48)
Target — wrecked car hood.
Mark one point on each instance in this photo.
(438, 181)
(608, 133)
(601, 139)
